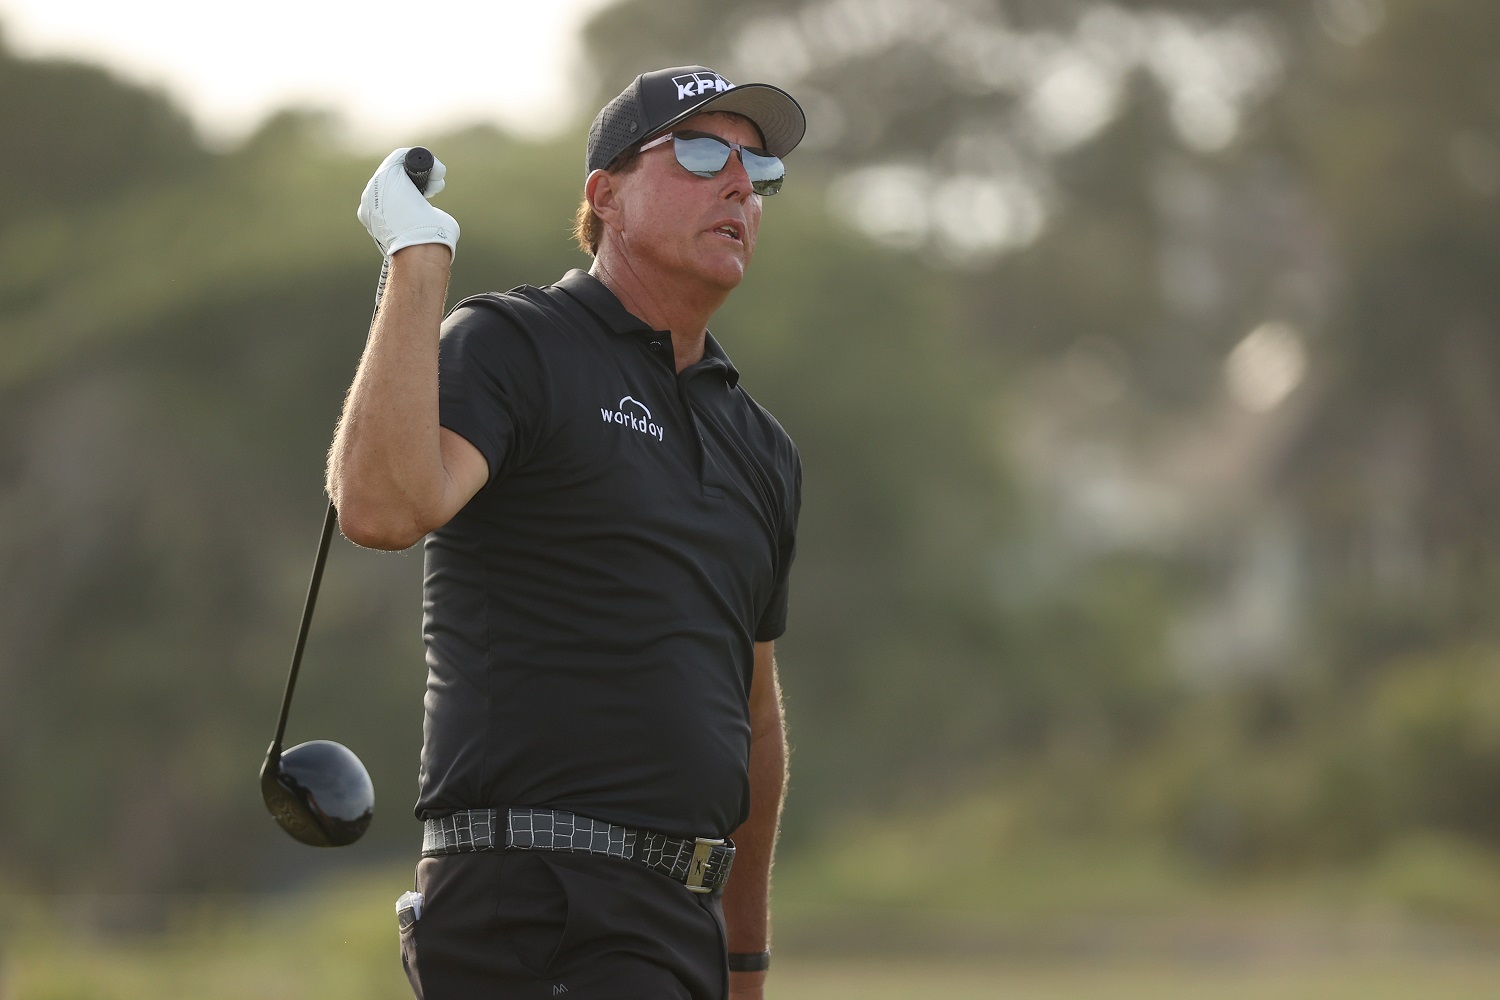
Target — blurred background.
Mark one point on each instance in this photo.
(1143, 360)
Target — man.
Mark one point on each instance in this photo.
(610, 521)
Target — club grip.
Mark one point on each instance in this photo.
(418, 165)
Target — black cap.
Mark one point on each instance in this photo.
(656, 101)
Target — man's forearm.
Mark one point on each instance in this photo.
(386, 469)
(747, 895)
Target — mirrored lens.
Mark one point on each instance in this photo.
(766, 172)
(706, 155)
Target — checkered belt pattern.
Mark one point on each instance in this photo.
(702, 865)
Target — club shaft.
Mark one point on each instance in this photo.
(329, 519)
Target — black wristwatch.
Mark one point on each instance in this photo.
(749, 961)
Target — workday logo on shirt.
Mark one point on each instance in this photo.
(632, 413)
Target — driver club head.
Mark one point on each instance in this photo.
(319, 792)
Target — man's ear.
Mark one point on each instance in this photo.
(603, 192)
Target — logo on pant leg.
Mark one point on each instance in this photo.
(633, 415)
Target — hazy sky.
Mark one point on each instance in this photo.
(389, 67)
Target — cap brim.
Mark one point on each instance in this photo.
(775, 112)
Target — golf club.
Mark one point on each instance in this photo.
(319, 792)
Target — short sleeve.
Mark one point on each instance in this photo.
(773, 616)
(489, 383)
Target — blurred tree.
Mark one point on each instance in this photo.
(1398, 138)
(1141, 356)
(75, 134)
(165, 416)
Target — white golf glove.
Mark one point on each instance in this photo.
(398, 215)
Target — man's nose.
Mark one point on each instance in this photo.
(736, 177)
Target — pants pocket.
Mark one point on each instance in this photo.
(408, 934)
(531, 911)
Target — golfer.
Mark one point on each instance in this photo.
(610, 519)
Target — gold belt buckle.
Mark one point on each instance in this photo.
(698, 867)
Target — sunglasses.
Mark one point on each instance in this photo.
(704, 155)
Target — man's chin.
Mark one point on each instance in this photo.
(725, 273)
(720, 269)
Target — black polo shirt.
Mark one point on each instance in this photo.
(590, 615)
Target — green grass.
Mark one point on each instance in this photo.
(335, 944)
(340, 945)
(1351, 977)
(883, 921)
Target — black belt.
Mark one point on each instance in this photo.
(700, 864)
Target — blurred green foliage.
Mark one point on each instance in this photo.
(952, 936)
(174, 362)
(1057, 592)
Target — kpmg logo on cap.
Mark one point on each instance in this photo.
(698, 84)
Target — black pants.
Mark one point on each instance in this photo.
(510, 925)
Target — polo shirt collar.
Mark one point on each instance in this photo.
(606, 307)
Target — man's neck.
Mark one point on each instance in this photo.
(681, 307)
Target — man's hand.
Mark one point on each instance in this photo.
(398, 215)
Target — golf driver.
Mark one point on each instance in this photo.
(319, 792)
